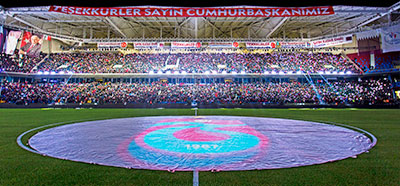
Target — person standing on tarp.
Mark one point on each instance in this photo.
(32, 49)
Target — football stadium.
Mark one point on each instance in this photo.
(244, 94)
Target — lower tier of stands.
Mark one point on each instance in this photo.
(362, 92)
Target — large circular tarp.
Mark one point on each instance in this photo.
(186, 143)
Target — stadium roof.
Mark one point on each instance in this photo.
(346, 19)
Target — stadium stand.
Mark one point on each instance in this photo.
(236, 60)
(366, 92)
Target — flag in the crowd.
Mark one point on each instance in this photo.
(12, 40)
(47, 37)
(3, 35)
(26, 38)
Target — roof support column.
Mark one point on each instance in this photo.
(284, 34)
(175, 32)
(195, 27)
(91, 32)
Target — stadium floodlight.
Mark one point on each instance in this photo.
(207, 72)
(321, 72)
(334, 72)
(328, 72)
(176, 72)
(290, 72)
(234, 72)
(151, 72)
(224, 72)
(70, 72)
(46, 73)
(341, 73)
(281, 72)
(62, 72)
(214, 72)
(273, 72)
(159, 72)
(299, 72)
(53, 73)
(40, 72)
(348, 72)
(183, 72)
(266, 72)
(168, 72)
(243, 72)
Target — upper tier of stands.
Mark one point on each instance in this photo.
(188, 62)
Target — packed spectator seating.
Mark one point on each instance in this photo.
(14, 63)
(113, 62)
(341, 92)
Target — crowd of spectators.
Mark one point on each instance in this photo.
(114, 62)
(103, 62)
(364, 92)
(17, 63)
(341, 92)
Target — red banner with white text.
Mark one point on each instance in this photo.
(112, 45)
(260, 45)
(185, 44)
(195, 12)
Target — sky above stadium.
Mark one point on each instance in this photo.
(201, 3)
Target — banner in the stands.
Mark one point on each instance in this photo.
(145, 44)
(340, 40)
(260, 45)
(31, 44)
(154, 11)
(112, 45)
(293, 44)
(11, 42)
(223, 44)
(185, 44)
(390, 39)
